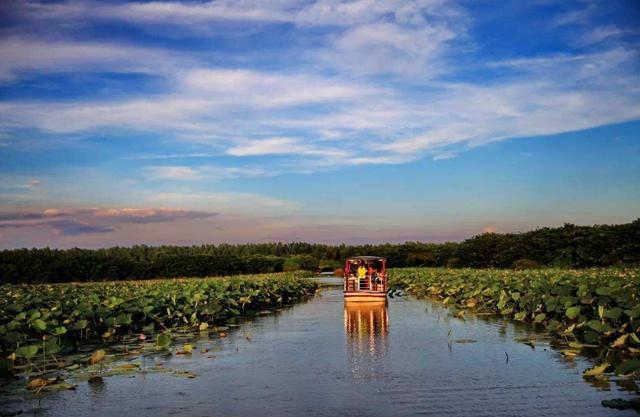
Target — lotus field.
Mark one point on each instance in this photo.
(38, 319)
(581, 307)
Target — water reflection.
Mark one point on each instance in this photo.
(366, 327)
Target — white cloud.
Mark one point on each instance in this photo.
(186, 173)
(601, 34)
(579, 16)
(389, 48)
(301, 12)
(204, 101)
(21, 54)
(227, 202)
(172, 173)
(168, 112)
(278, 146)
(444, 155)
(262, 89)
(190, 13)
(240, 111)
(397, 36)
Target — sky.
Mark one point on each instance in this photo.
(331, 121)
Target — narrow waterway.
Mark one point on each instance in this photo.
(320, 358)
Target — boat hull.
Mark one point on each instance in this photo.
(365, 297)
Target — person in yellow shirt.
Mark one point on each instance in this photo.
(362, 271)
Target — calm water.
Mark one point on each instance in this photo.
(322, 359)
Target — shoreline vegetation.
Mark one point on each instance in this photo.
(569, 246)
(44, 319)
(590, 308)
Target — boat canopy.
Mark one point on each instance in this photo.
(366, 258)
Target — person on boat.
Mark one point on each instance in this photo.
(370, 271)
(362, 271)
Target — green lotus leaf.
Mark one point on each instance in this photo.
(598, 326)
(634, 313)
(52, 347)
(59, 331)
(81, 324)
(40, 324)
(520, 316)
(572, 312)
(613, 313)
(628, 367)
(27, 352)
(163, 341)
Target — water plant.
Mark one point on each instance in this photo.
(70, 314)
(592, 306)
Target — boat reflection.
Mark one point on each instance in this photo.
(366, 326)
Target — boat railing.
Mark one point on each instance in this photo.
(368, 283)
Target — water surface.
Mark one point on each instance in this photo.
(320, 358)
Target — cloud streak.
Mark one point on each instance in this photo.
(72, 222)
(27, 55)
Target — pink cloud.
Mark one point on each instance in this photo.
(74, 222)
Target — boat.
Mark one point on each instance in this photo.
(368, 285)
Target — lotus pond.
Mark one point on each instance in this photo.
(581, 308)
(47, 319)
(414, 357)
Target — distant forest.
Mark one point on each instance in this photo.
(569, 246)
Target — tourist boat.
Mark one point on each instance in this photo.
(369, 285)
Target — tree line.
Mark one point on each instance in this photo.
(569, 246)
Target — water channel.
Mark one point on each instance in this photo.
(320, 358)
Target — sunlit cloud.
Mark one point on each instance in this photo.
(94, 220)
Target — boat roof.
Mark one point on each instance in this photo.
(366, 258)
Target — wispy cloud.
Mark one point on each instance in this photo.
(321, 12)
(262, 89)
(27, 55)
(380, 48)
(539, 103)
(438, 156)
(172, 173)
(186, 173)
(601, 34)
(279, 146)
(95, 220)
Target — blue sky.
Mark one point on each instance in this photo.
(330, 121)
